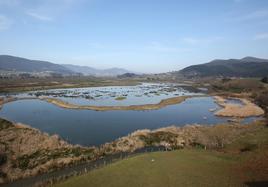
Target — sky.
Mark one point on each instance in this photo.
(149, 36)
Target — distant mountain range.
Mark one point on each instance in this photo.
(17, 64)
(245, 67)
(23, 65)
(85, 70)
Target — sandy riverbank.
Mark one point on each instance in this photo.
(161, 104)
(247, 109)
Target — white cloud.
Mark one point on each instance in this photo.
(195, 41)
(261, 36)
(39, 17)
(5, 23)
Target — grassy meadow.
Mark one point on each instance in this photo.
(241, 163)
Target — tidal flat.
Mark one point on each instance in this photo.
(144, 93)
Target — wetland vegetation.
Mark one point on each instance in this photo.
(117, 93)
(118, 129)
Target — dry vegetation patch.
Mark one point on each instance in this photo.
(209, 137)
(28, 152)
(247, 109)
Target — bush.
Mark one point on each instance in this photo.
(197, 145)
(23, 163)
(224, 80)
(249, 147)
(4, 124)
(3, 159)
(262, 99)
(264, 80)
(157, 137)
(2, 174)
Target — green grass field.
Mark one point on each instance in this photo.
(243, 161)
(177, 168)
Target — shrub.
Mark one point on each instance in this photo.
(23, 163)
(4, 124)
(2, 174)
(224, 80)
(262, 99)
(197, 145)
(157, 137)
(249, 147)
(264, 80)
(3, 159)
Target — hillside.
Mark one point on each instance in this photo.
(245, 67)
(85, 70)
(22, 65)
(17, 64)
(127, 75)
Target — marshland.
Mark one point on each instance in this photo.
(133, 93)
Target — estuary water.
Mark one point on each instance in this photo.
(87, 127)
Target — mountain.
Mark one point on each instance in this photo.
(253, 59)
(85, 70)
(127, 75)
(245, 67)
(18, 64)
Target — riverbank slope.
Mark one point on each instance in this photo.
(28, 152)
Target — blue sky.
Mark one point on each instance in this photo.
(140, 35)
